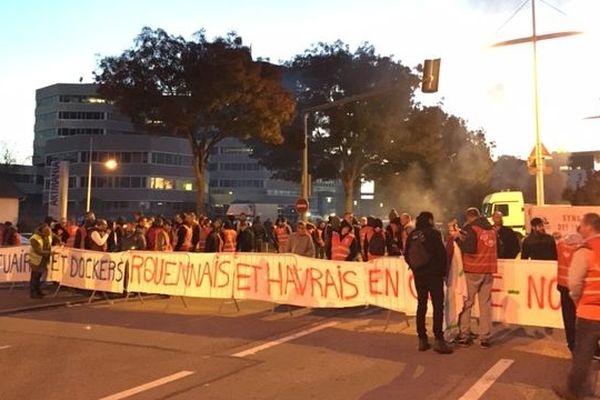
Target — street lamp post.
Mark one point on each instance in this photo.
(539, 158)
(109, 164)
(89, 180)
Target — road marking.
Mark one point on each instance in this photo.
(8, 346)
(487, 380)
(276, 342)
(147, 386)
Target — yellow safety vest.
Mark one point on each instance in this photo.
(35, 258)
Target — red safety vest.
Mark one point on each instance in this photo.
(72, 231)
(565, 255)
(340, 248)
(485, 261)
(589, 303)
(282, 235)
(229, 240)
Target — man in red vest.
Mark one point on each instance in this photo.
(565, 249)
(479, 247)
(584, 286)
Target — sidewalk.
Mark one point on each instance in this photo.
(18, 300)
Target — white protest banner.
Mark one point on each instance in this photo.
(297, 280)
(92, 270)
(525, 293)
(390, 284)
(14, 264)
(207, 275)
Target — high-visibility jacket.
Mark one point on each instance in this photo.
(153, 238)
(229, 240)
(485, 260)
(565, 253)
(72, 232)
(362, 234)
(204, 232)
(187, 239)
(282, 234)
(45, 243)
(340, 248)
(588, 306)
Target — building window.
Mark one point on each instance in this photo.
(171, 159)
(80, 131)
(245, 183)
(188, 186)
(239, 167)
(237, 150)
(74, 98)
(83, 115)
(162, 183)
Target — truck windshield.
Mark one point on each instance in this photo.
(487, 210)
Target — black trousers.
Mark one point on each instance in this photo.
(568, 314)
(587, 336)
(430, 285)
(35, 282)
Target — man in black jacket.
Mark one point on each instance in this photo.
(508, 241)
(538, 245)
(245, 238)
(426, 256)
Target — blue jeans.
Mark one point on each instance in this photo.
(587, 334)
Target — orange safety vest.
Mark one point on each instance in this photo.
(364, 231)
(589, 303)
(187, 240)
(72, 231)
(282, 234)
(340, 248)
(204, 232)
(485, 261)
(229, 240)
(565, 255)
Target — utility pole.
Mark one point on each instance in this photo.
(539, 158)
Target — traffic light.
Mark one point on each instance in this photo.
(431, 76)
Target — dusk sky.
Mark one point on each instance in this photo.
(60, 41)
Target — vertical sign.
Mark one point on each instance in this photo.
(58, 190)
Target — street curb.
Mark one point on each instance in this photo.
(83, 301)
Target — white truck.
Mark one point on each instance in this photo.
(558, 218)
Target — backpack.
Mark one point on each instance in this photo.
(377, 244)
(418, 256)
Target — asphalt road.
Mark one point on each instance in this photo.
(162, 350)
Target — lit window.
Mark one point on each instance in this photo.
(161, 183)
(187, 186)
